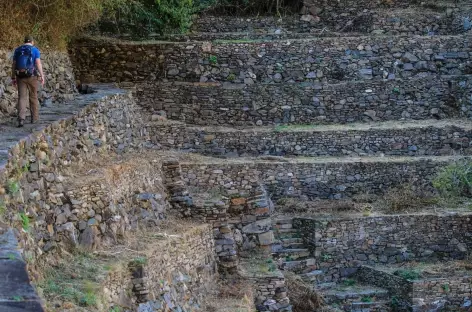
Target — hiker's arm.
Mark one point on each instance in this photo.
(39, 66)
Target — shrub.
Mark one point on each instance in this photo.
(50, 22)
(455, 180)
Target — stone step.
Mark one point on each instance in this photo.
(291, 241)
(314, 276)
(370, 306)
(425, 97)
(293, 254)
(291, 245)
(298, 265)
(390, 138)
(357, 293)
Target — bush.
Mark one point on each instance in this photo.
(50, 22)
(455, 180)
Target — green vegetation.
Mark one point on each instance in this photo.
(25, 221)
(349, 282)
(455, 180)
(213, 60)
(231, 77)
(13, 186)
(75, 280)
(408, 274)
(366, 299)
(139, 261)
(445, 287)
(53, 23)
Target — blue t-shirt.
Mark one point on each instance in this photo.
(34, 51)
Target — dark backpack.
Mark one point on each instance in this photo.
(24, 61)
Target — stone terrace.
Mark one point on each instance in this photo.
(279, 109)
(336, 103)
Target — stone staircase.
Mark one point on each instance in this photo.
(293, 255)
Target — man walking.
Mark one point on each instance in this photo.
(26, 71)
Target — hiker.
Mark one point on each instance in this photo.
(26, 71)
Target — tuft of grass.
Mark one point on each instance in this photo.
(408, 274)
(349, 282)
(13, 186)
(366, 299)
(25, 221)
(75, 279)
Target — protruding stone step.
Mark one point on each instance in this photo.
(357, 293)
(370, 306)
(298, 265)
(293, 254)
(312, 276)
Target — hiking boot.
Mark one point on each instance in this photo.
(21, 123)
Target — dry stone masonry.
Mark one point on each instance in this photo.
(305, 106)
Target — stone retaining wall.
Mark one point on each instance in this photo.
(453, 289)
(341, 244)
(323, 59)
(304, 103)
(60, 82)
(312, 141)
(324, 179)
(178, 273)
(376, 21)
(33, 180)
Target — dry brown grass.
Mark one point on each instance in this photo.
(52, 22)
(405, 198)
(302, 296)
(231, 295)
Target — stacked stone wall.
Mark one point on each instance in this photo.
(36, 179)
(60, 82)
(324, 179)
(323, 59)
(452, 290)
(342, 244)
(179, 277)
(375, 21)
(313, 141)
(293, 103)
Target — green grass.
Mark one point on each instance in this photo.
(75, 280)
(25, 221)
(408, 274)
(366, 299)
(349, 282)
(13, 186)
